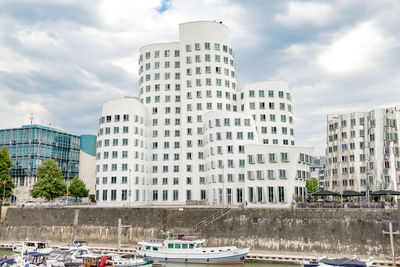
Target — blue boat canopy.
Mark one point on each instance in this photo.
(6, 261)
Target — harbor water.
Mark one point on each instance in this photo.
(7, 252)
(247, 264)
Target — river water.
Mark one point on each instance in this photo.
(7, 252)
(247, 264)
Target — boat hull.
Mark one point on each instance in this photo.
(148, 263)
(232, 257)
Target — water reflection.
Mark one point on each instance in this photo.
(247, 264)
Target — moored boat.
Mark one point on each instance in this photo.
(75, 244)
(32, 246)
(342, 262)
(97, 260)
(6, 262)
(189, 249)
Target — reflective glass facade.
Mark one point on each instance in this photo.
(32, 144)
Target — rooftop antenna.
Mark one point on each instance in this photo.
(31, 118)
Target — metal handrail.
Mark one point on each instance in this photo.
(207, 220)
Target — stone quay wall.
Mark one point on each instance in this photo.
(322, 232)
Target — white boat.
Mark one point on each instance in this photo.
(116, 260)
(32, 246)
(75, 244)
(68, 257)
(342, 262)
(130, 261)
(189, 249)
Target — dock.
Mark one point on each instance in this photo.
(251, 257)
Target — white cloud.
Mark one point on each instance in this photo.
(354, 50)
(62, 59)
(21, 109)
(298, 14)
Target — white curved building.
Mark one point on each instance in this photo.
(363, 150)
(121, 154)
(185, 88)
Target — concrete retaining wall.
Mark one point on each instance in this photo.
(344, 232)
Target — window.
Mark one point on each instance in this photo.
(272, 157)
(271, 174)
(281, 193)
(165, 195)
(202, 194)
(155, 195)
(270, 194)
(104, 194)
(124, 194)
(175, 195)
(113, 194)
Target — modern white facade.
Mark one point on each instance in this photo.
(201, 138)
(317, 170)
(363, 150)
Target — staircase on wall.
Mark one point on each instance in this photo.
(198, 227)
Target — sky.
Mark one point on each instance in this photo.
(60, 60)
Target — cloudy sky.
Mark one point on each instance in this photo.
(61, 59)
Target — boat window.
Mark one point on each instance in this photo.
(198, 245)
(184, 245)
(170, 245)
(212, 250)
(177, 245)
(191, 245)
(155, 248)
(147, 247)
(220, 250)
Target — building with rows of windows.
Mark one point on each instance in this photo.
(30, 145)
(363, 150)
(193, 137)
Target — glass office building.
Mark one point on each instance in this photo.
(30, 145)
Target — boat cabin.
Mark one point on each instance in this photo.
(37, 258)
(184, 243)
(94, 260)
(36, 244)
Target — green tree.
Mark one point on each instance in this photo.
(388, 197)
(50, 183)
(5, 165)
(77, 188)
(92, 198)
(312, 185)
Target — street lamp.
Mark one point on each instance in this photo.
(223, 184)
(129, 188)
